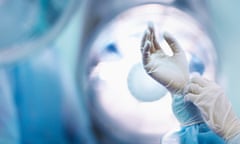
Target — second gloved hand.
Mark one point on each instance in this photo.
(215, 107)
(171, 71)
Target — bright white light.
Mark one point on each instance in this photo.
(118, 83)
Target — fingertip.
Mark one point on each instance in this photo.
(168, 39)
(166, 35)
(150, 24)
(190, 97)
(172, 43)
(198, 79)
(193, 88)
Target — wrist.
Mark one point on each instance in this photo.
(179, 90)
(232, 130)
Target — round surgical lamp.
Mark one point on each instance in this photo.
(126, 105)
(28, 25)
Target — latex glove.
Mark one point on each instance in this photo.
(215, 107)
(171, 71)
(185, 111)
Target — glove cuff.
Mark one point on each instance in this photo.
(185, 112)
(192, 123)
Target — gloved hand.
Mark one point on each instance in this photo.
(215, 107)
(171, 71)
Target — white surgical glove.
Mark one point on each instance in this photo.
(171, 71)
(215, 107)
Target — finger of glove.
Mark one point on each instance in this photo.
(149, 38)
(154, 40)
(146, 52)
(193, 88)
(191, 97)
(197, 79)
(144, 40)
(172, 43)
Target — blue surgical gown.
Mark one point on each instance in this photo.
(193, 129)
